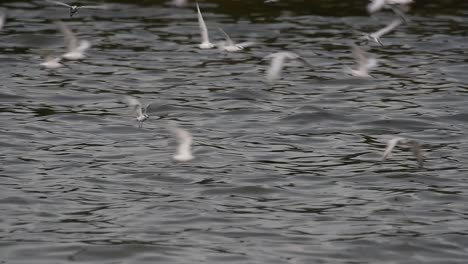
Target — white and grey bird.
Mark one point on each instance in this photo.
(205, 43)
(75, 8)
(364, 64)
(414, 146)
(278, 61)
(230, 46)
(140, 111)
(75, 50)
(52, 62)
(399, 7)
(378, 34)
(184, 144)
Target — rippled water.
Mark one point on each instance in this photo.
(284, 173)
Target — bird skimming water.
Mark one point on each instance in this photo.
(414, 146)
(137, 108)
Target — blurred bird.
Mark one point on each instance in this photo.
(75, 8)
(378, 34)
(52, 62)
(137, 108)
(75, 51)
(184, 140)
(414, 146)
(399, 7)
(278, 60)
(205, 44)
(363, 64)
(230, 46)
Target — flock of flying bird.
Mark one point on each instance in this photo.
(76, 51)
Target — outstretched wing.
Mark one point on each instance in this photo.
(276, 66)
(391, 145)
(96, 7)
(387, 29)
(133, 103)
(202, 25)
(416, 149)
(228, 39)
(70, 38)
(58, 3)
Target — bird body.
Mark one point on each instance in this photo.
(138, 109)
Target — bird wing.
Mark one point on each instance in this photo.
(133, 103)
(387, 28)
(371, 63)
(84, 45)
(202, 25)
(399, 2)
(228, 39)
(70, 37)
(375, 5)
(149, 108)
(416, 149)
(391, 145)
(58, 3)
(95, 7)
(358, 55)
(276, 66)
(184, 141)
(246, 44)
(2, 19)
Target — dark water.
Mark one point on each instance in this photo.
(288, 173)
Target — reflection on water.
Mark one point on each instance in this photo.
(289, 172)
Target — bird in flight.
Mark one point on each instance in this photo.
(75, 8)
(75, 49)
(363, 64)
(184, 140)
(414, 146)
(137, 108)
(278, 60)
